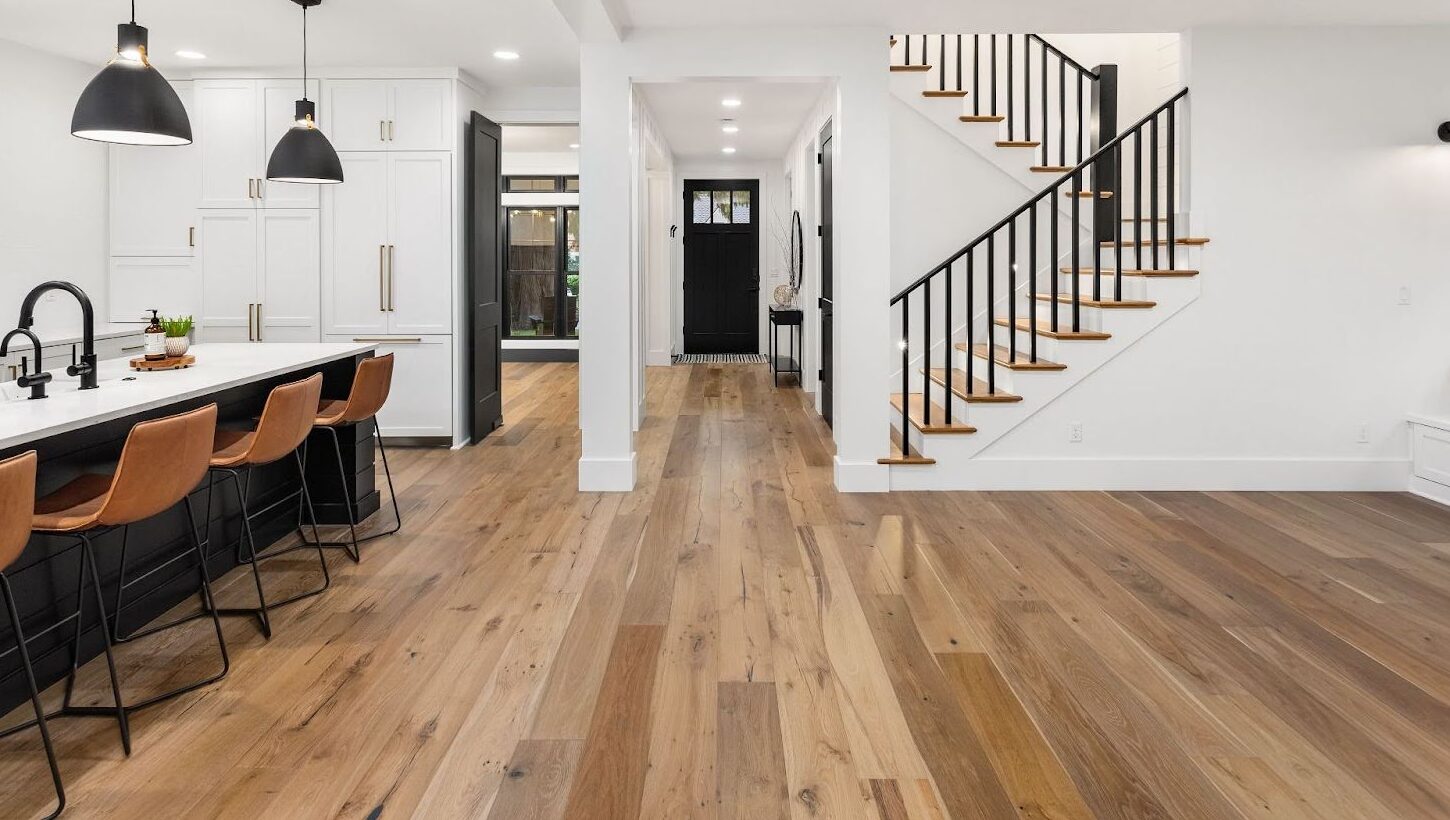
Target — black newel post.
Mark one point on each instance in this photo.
(1104, 128)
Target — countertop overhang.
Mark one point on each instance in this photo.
(123, 392)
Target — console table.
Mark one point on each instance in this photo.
(792, 319)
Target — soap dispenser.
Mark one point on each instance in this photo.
(155, 339)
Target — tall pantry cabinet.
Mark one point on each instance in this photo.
(199, 230)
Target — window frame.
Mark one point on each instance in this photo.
(561, 270)
(560, 183)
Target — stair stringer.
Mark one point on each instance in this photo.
(954, 454)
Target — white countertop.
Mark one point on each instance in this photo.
(123, 391)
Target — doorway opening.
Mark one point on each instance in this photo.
(722, 266)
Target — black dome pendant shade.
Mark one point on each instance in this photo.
(304, 154)
(129, 102)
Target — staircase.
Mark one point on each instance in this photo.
(1094, 259)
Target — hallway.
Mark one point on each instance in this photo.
(736, 639)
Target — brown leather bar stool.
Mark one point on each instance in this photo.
(162, 461)
(281, 431)
(17, 505)
(370, 386)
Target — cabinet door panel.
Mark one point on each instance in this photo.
(291, 268)
(154, 194)
(421, 115)
(356, 113)
(421, 400)
(354, 233)
(228, 245)
(279, 110)
(140, 284)
(421, 258)
(228, 128)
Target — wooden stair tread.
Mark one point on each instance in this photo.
(979, 394)
(1050, 169)
(1163, 240)
(1064, 331)
(1004, 358)
(947, 93)
(911, 68)
(900, 455)
(1136, 272)
(981, 118)
(1089, 194)
(1066, 298)
(1017, 144)
(938, 416)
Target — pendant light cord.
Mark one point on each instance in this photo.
(133, 12)
(304, 51)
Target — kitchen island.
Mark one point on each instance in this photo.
(77, 431)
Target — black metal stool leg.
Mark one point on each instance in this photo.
(388, 473)
(88, 557)
(34, 697)
(208, 603)
(251, 558)
(353, 551)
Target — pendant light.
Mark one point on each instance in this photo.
(129, 102)
(304, 154)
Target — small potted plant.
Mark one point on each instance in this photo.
(178, 335)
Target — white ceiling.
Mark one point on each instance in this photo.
(539, 139)
(1042, 15)
(770, 114)
(267, 34)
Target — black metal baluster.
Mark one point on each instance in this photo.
(1118, 222)
(991, 312)
(923, 49)
(926, 349)
(907, 61)
(971, 321)
(947, 348)
(1011, 102)
(1032, 281)
(1171, 194)
(1061, 111)
(994, 75)
(1080, 114)
(1076, 241)
(1056, 274)
(1046, 147)
(1153, 184)
(906, 376)
(959, 62)
(1027, 89)
(1097, 240)
(1012, 290)
(1138, 199)
(976, 75)
(941, 58)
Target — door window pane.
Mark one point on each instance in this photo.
(571, 184)
(533, 261)
(546, 185)
(701, 215)
(571, 271)
(722, 208)
(740, 213)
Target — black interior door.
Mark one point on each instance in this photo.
(485, 278)
(826, 305)
(722, 266)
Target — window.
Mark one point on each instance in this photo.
(541, 185)
(720, 208)
(542, 265)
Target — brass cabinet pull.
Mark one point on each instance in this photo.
(396, 340)
(251, 333)
(133, 348)
(251, 194)
(391, 135)
(382, 130)
(382, 279)
(191, 237)
(392, 293)
(259, 322)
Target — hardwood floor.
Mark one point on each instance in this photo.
(735, 639)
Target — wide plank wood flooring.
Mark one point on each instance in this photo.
(734, 639)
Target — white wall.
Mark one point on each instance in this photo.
(862, 251)
(1316, 172)
(53, 222)
(802, 170)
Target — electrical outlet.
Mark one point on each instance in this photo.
(1404, 295)
(1074, 434)
(1363, 435)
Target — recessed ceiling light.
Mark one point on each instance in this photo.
(190, 55)
(730, 127)
(731, 102)
(506, 55)
(727, 150)
(574, 145)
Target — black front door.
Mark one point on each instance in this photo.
(485, 278)
(722, 266)
(827, 319)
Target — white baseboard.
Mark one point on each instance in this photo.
(1432, 490)
(657, 358)
(1158, 474)
(607, 475)
(862, 477)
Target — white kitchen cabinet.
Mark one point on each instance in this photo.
(140, 284)
(388, 245)
(420, 403)
(154, 193)
(259, 275)
(389, 115)
(237, 123)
